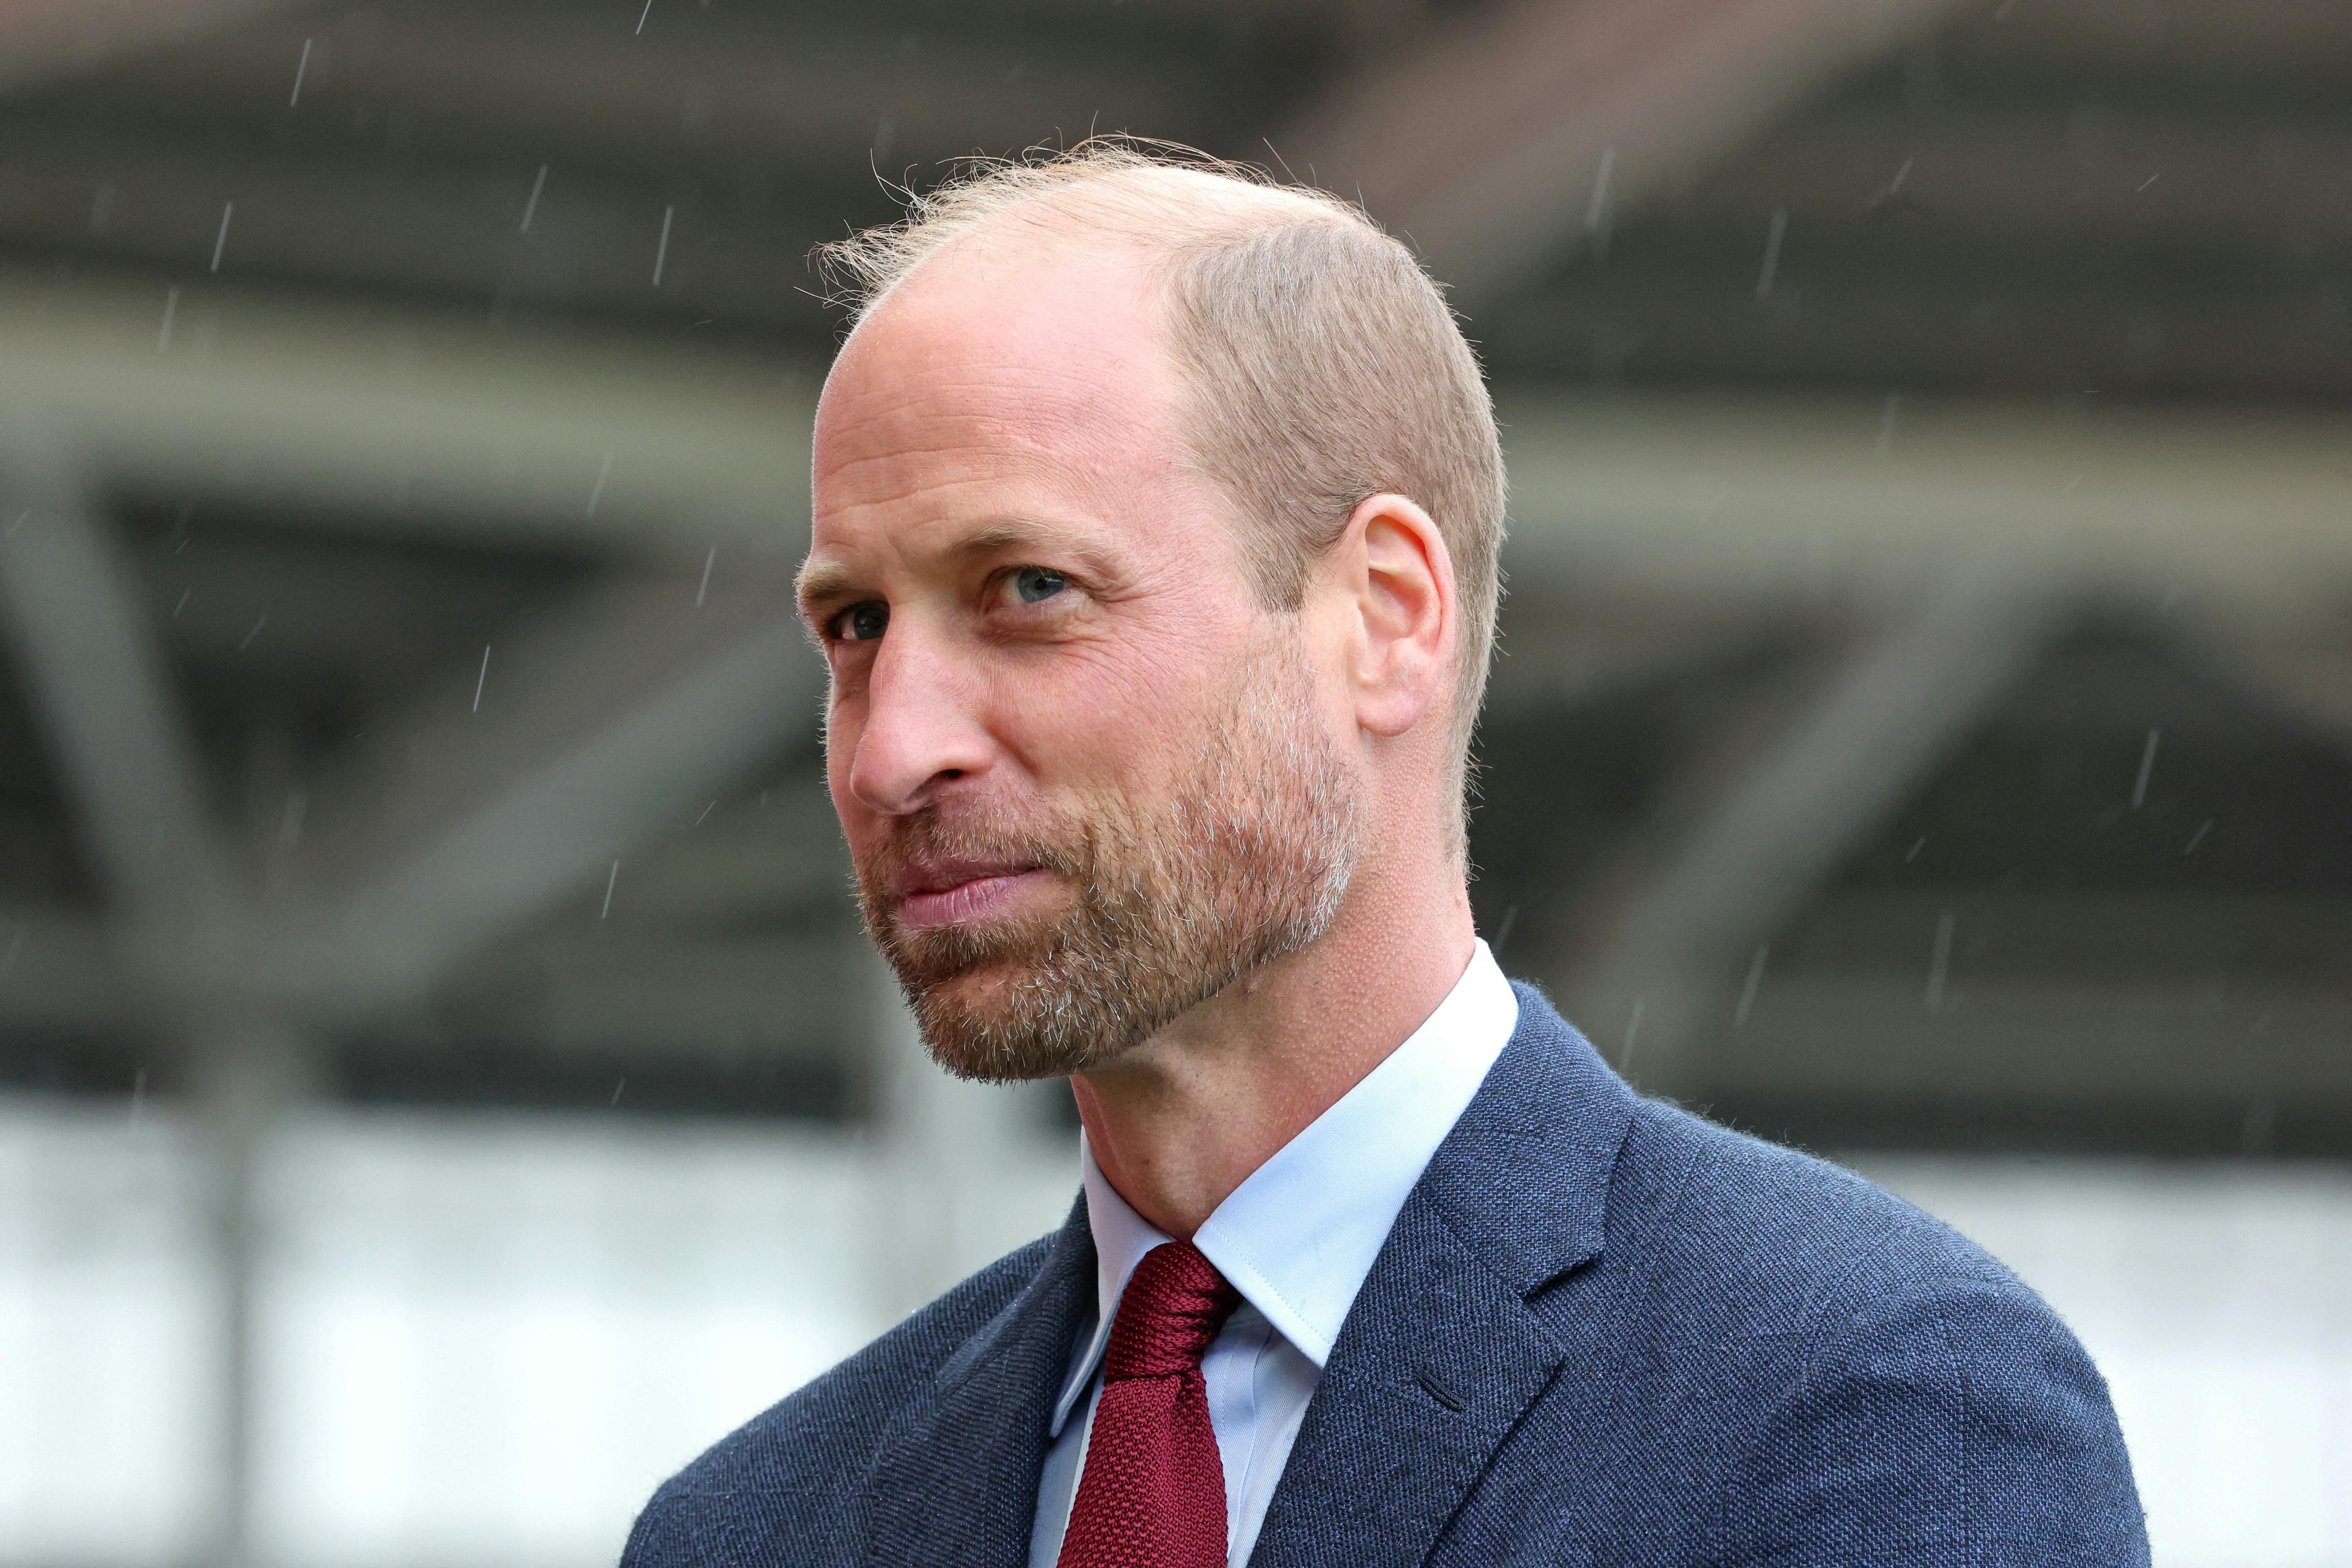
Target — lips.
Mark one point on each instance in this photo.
(946, 892)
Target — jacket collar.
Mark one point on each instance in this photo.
(1299, 1236)
(1442, 1354)
(1524, 1176)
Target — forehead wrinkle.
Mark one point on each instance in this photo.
(995, 485)
(881, 456)
(909, 486)
(1023, 422)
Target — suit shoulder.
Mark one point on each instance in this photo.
(1762, 1238)
(1900, 1395)
(800, 1456)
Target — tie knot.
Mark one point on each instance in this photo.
(1174, 1303)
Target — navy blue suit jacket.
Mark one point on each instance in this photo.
(1601, 1331)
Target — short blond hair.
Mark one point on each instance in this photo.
(1322, 362)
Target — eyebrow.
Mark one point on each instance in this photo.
(997, 538)
(824, 583)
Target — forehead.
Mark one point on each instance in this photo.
(994, 371)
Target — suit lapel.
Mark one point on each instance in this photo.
(1437, 1363)
(954, 1484)
(1440, 1354)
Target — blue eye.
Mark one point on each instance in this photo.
(863, 623)
(1035, 583)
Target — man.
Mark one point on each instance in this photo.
(1154, 557)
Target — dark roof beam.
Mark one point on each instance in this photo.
(1509, 137)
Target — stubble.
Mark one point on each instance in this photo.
(1245, 858)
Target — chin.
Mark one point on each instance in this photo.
(988, 992)
(964, 969)
(1004, 1022)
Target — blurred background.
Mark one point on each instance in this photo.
(442, 1086)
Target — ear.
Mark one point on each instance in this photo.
(1398, 580)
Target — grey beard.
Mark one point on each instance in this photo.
(1250, 862)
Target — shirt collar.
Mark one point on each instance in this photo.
(1298, 1235)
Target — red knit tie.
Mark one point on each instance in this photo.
(1152, 1494)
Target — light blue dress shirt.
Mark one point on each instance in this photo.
(1296, 1239)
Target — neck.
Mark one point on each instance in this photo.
(1180, 1122)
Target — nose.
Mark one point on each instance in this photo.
(918, 730)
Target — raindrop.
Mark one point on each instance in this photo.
(1773, 253)
(603, 472)
(1747, 991)
(483, 679)
(220, 240)
(2147, 767)
(532, 206)
(1940, 963)
(708, 562)
(1598, 207)
(1888, 200)
(609, 883)
(302, 67)
(253, 632)
(661, 255)
(170, 310)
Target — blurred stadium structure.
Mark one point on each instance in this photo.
(1925, 732)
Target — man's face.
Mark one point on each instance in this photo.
(1086, 781)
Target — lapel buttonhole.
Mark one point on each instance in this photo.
(1441, 1390)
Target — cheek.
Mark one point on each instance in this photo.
(1127, 715)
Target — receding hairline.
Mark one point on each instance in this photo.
(1153, 213)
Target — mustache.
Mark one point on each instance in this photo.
(931, 836)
